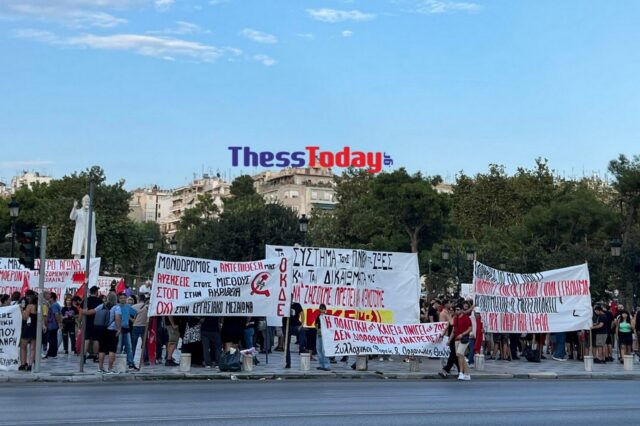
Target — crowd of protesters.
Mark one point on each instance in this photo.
(614, 331)
(117, 324)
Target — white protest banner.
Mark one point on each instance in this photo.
(543, 302)
(10, 329)
(466, 291)
(201, 287)
(366, 285)
(10, 263)
(61, 276)
(344, 336)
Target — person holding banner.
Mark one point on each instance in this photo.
(29, 308)
(324, 362)
(295, 326)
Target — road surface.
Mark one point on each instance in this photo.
(317, 402)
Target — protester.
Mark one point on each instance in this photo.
(233, 329)
(5, 300)
(608, 325)
(109, 338)
(559, 352)
(445, 316)
(624, 332)
(139, 326)
(324, 362)
(92, 335)
(29, 329)
(600, 333)
(124, 339)
(461, 329)
(296, 319)
(211, 341)
(54, 320)
(69, 316)
(172, 340)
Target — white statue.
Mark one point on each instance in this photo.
(81, 216)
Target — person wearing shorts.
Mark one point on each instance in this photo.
(599, 334)
(109, 337)
(174, 335)
(461, 328)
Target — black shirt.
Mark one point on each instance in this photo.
(294, 320)
(609, 320)
(210, 324)
(92, 303)
(601, 319)
(68, 316)
(432, 312)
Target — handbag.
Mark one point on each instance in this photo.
(230, 361)
(192, 334)
(464, 339)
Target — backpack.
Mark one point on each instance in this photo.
(102, 317)
(530, 354)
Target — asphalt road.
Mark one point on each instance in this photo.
(314, 402)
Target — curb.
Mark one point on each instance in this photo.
(251, 376)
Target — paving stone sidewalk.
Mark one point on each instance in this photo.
(65, 368)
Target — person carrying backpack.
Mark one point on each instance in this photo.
(108, 320)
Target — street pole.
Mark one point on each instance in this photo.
(85, 284)
(13, 237)
(43, 256)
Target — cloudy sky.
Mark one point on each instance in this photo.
(156, 90)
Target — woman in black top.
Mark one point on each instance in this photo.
(29, 327)
(69, 315)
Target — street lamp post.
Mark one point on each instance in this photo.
(304, 226)
(457, 255)
(14, 210)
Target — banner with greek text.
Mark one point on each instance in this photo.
(344, 336)
(543, 302)
(10, 329)
(61, 276)
(371, 286)
(466, 291)
(200, 287)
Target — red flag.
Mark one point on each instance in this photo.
(151, 341)
(25, 286)
(120, 288)
(77, 278)
(79, 292)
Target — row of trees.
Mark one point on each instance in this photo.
(530, 221)
(122, 243)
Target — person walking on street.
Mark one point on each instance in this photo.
(461, 330)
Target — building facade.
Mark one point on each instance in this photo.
(302, 189)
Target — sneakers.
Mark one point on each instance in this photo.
(443, 374)
(465, 377)
(111, 372)
(23, 367)
(460, 376)
(557, 359)
(171, 363)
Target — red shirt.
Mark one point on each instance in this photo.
(461, 324)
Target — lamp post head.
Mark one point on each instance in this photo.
(616, 246)
(304, 223)
(14, 208)
(173, 245)
(445, 252)
(471, 255)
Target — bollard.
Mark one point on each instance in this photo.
(478, 361)
(185, 362)
(628, 362)
(305, 362)
(247, 363)
(588, 363)
(120, 365)
(414, 364)
(361, 363)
